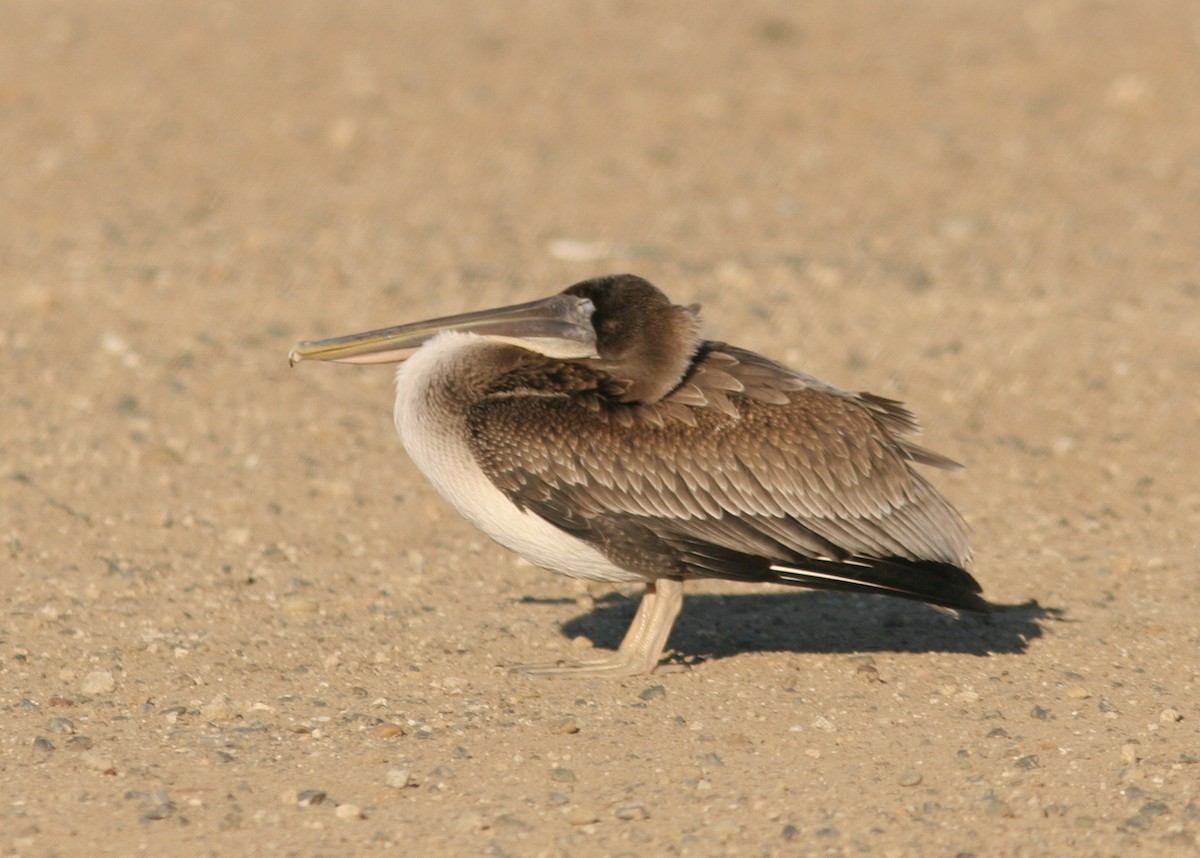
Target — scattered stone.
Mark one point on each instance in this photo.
(441, 773)
(158, 811)
(1170, 716)
(1027, 762)
(217, 709)
(310, 797)
(868, 673)
(60, 725)
(398, 778)
(562, 776)
(790, 832)
(566, 726)
(469, 823)
(558, 799)
(1039, 713)
(507, 820)
(996, 807)
(909, 779)
(99, 763)
(348, 811)
(654, 691)
(1154, 808)
(387, 731)
(1078, 692)
(631, 812)
(300, 607)
(997, 733)
(581, 816)
(1108, 708)
(1129, 755)
(80, 743)
(98, 682)
(41, 743)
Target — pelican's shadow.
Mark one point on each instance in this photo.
(715, 626)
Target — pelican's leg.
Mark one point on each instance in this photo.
(643, 644)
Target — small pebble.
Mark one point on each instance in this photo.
(1129, 755)
(159, 811)
(1170, 716)
(387, 731)
(41, 743)
(653, 691)
(98, 682)
(1039, 713)
(581, 816)
(468, 823)
(868, 673)
(99, 763)
(217, 709)
(507, 820)
(1078, 692)
(631, 812)
(310, 797)
(348, 811)
(441, 773)
(823, 723)
(562, 776)
(790, 832)
(398, 778)
(300, 607)
(995, 807)
(1027, 762)
(567, 726)
(80, 743)
(558, 799)
(60, 725)
(910, 779)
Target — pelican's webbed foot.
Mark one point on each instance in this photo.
(642, 647)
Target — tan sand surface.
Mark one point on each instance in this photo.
(235, 619)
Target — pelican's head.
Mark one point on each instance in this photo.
(625, 325)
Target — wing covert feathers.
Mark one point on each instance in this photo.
(747, 470)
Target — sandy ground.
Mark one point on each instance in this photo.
(236, 620)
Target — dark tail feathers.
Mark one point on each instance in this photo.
(940, 584)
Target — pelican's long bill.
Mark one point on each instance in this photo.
(558, 326)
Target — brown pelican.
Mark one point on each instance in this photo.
(596, 434)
